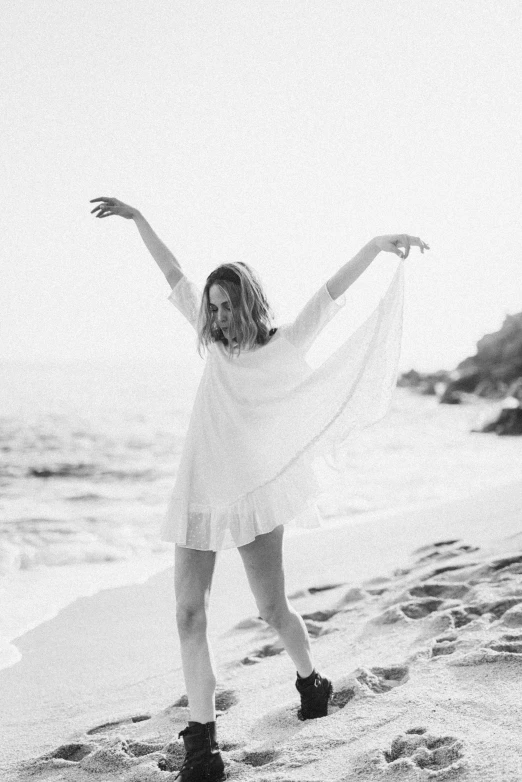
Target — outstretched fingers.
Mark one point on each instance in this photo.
(103, 209)
(395, 242)
(410, 241)
(112, 206)
(416, 240)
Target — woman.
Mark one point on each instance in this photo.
(261, 419)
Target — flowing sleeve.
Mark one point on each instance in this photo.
(314, 316)
(186, 297)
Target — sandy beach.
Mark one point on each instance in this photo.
(417, 619)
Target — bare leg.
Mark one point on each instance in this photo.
(263, 560)
(193, 578)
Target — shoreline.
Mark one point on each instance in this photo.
(115, 653)
(110, 575)
(139, 569)
(107, 575)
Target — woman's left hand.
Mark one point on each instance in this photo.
(392, 242)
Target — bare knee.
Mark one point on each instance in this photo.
(191, 620)
(276, 614)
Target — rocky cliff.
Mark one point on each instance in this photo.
(495, 371)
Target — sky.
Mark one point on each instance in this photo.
(283, 133)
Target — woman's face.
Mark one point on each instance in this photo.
(221, 309)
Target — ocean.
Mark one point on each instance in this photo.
(88, 457)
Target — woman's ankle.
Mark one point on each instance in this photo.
(307, 679)
(201, 718)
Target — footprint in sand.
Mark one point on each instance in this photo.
(417, 748)
(377, 586)
(440, 589)
(317, 629)
(412, 609)
(126, 752)
(418, 609)
(443, 549)
(426, 598)
(259, 758)
(316, 622)
(449, 568)
(118, 757)
(109, 726)
(378, 680)
(320, 616)
(430, 596)
(506, 647)
(314, 590)
(513, 564)
(445, 644)
(225, 699)
(494, 610)
(499, 607)
(250, 623)
(463, 615)
(509, 643)
(93, 753)
(460, 615)
(500, 569)
(72, 752)
(268, 650)
(513, 616)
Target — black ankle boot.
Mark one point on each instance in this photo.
(203, 761)
(315, 696)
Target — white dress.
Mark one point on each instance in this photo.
(263, 419)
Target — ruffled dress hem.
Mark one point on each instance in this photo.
(289, 499)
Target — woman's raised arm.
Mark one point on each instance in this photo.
(160, 252)
(351, 270)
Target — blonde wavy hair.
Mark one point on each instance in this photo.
(250, 311)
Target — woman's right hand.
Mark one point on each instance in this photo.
(111, 206)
